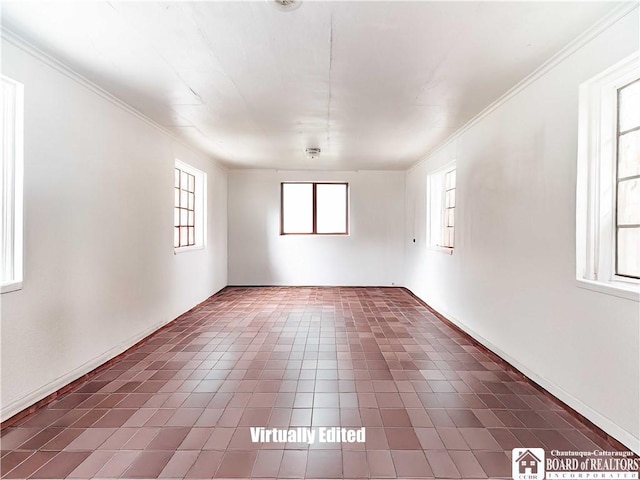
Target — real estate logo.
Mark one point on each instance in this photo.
(527, 463)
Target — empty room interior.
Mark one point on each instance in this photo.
(308, 239)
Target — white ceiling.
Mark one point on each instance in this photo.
(375, 85)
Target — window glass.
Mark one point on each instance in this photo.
(314, 208)
(331, 207)
(628, 251)
(629, 102)
(297, 208)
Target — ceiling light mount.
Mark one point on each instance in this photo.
(285, 5)
(312, 153)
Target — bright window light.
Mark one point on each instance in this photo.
(314, 208)
(12, 171)
(331, 208)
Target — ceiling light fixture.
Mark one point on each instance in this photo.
(285, 5)
(313, 153)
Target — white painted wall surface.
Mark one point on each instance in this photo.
(511, 279)
(371, 254)
(100, 270)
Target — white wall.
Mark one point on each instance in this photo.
(511, 280)
(371, 254)
(100, 272)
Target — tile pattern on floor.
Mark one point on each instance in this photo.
(434, 404)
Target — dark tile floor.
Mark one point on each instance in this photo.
(180, 405)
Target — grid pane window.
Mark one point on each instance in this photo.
(441, 208)
(184, 209)
(628, 181)
(449, 204)
(314, 208)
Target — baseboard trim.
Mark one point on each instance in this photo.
(18, 409)
(596, 422)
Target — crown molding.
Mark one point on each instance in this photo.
(16, 40)
(585, 37)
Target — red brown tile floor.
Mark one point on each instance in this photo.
(434, 404)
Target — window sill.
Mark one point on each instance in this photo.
(445, 250)
(11, 287)
(617, 289)
(187, 249)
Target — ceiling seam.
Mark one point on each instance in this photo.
(209, 47)
(330, 70)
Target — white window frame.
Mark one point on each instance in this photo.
(200, 204)
(12, 131)
(435, 207)
(596, 180)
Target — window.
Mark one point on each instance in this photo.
(608, 182)
(441, 198)
(12, 131)
(189, 214)
(628, 181)
(314, 208)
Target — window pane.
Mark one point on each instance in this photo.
(629, 106)
(629, 154)
(183, 217)
(192, 183)
(176, 237)
(176, 217)
(176, 178)
(447, 237)
(176, 199)
(184, 180)
(628, 252)
(191, 219)
(449, 217)
(331, 205)
(191, 236)
(297, 208)
(629, 202)
(184, 239)
(191, 201)
(450, 198)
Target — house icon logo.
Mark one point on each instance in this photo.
(528, 463)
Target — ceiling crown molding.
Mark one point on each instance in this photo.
(580, 41)
(16, 40)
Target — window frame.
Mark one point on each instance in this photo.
(314, 207)
(436, 207)
(200, 207)
(12, 185)
(596, 182)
